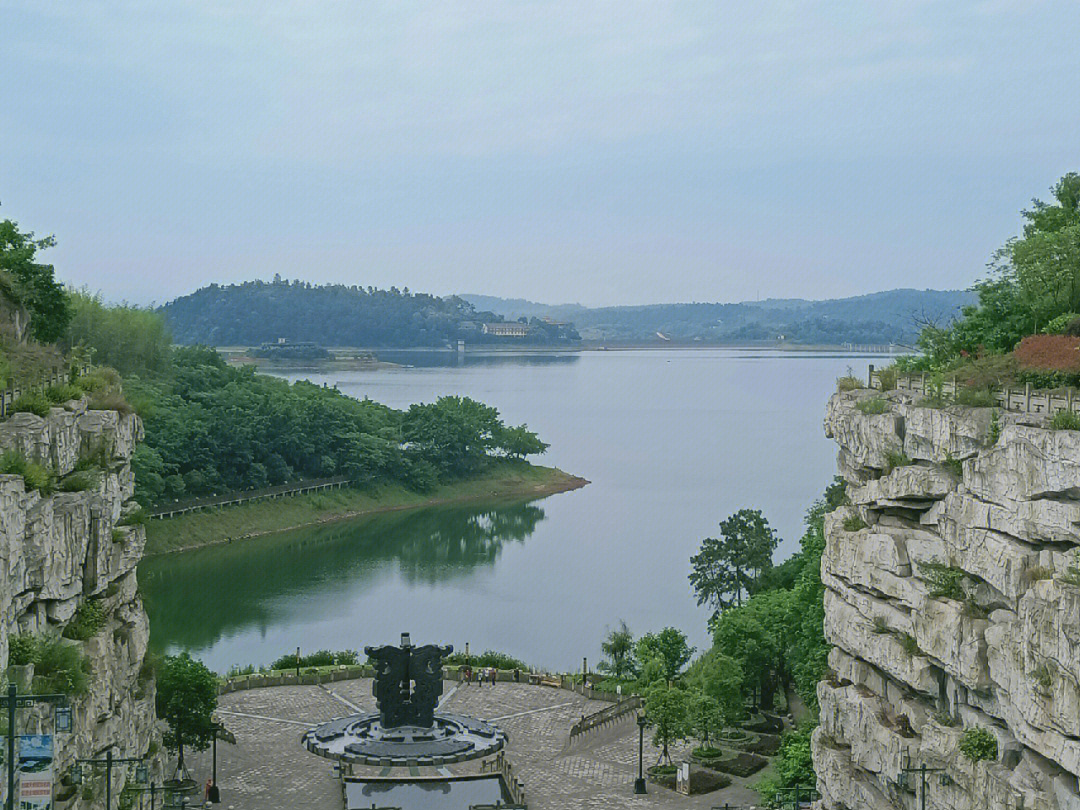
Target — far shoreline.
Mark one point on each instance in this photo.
(507, 482)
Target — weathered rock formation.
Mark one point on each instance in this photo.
(58, 552)
(951, 606)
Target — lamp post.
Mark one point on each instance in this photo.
(639, 783)
(141, 772)
(12, 701)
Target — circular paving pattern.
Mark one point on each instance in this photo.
(362, 738)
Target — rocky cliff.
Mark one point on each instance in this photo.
(953, 603)
(70, 552)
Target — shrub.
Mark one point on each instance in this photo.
(953, 465)
(973, 610)
(20, 650)
(1042, 675)
(849, 382)
(1065, 420)
(80, 481)
(995, 426)
(36, 477)
(136, 517)
(853, 523)
(1072, 573)
(874, 405)
(1037, 573)
(1049, 353)
(896, 458)
(976, 397)
(58, 667)
(87, 622)
(989, 372)
(978, 744)
(111, 402)
(33, 402)
(887, 378)
(944, 580)
(99, 379)
(59, 394)
(1060, 324)
(909, 645)
(946, 719)
(319, 658)
(881, 627)
(488, 658)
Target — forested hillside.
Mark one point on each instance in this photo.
(334, 315)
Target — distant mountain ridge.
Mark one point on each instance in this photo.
(257, 312)
(891, 316)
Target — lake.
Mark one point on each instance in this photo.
(673, 441)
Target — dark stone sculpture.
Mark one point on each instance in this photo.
(408, 682)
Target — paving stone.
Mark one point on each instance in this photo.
(268, 768)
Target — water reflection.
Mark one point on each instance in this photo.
(196, 599)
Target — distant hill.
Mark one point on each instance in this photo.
(257, 312)
(879, 318)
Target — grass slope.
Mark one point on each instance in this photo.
(505, 480)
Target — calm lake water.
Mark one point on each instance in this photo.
(672, 441)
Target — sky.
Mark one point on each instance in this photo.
(594, 152)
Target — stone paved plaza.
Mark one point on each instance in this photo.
(269, 769)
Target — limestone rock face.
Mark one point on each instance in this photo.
(953, 602)
(66, 550)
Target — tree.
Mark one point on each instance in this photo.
(454, 433)
(187, 695)
(705, 716)
(668, 648)
(33, 285)
(720, 677)
(666, 711)
(519, 442)
(129, 339)
(730, 567)
(757, 635)
(619, 648)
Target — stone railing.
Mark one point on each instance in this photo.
(1025, 400)
(57, 376)
(501, 765)
(606, 715)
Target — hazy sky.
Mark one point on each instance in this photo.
(604, 153)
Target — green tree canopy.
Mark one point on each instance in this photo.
(729, 568)
(187, 694)
(720, 677)
(666, 710)
(668, 649)
(619, 649)
(33, 285)
(130, 339)
(705, 716)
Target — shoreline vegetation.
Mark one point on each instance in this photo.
(506, 480)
